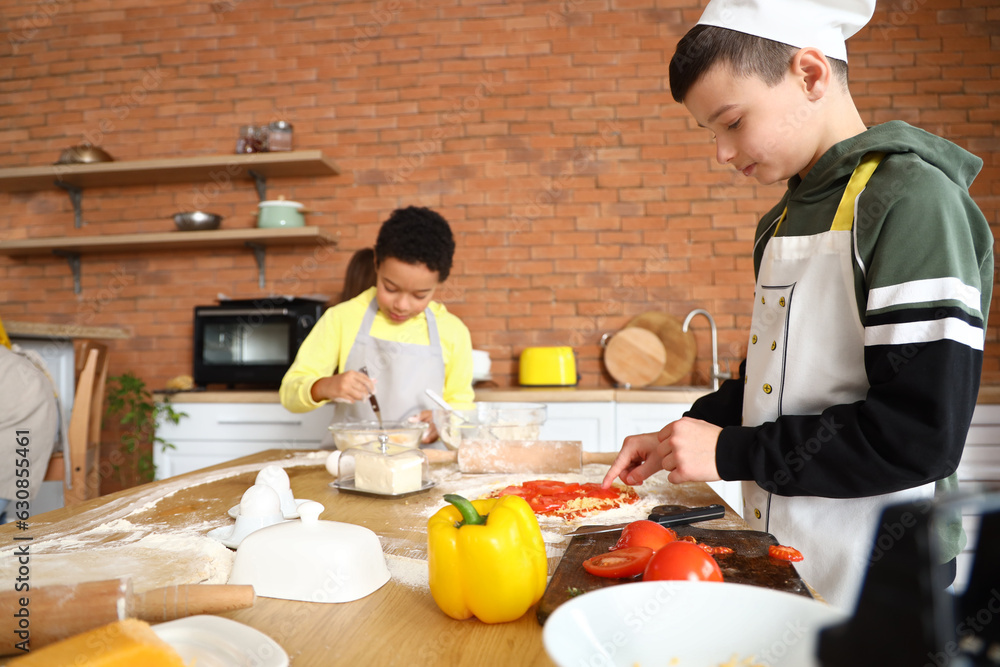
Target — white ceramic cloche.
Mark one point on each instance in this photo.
(311, 560)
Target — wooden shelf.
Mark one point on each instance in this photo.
(257, 240)
(168, 170)
(214, 238)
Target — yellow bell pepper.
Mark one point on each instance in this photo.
(486, 558)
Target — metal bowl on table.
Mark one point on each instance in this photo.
(197, 221)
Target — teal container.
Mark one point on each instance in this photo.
(280, 213)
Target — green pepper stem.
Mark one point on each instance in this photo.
(470, 516)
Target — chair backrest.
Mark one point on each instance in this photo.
(81, 477)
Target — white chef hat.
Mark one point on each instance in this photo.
(824, 24)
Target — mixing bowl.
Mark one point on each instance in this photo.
(490, 421)
(355, 434)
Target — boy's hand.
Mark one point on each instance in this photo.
(345, 387)
(684, 448)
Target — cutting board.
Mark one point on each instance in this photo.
(748, 564)
(680, 345)
(635, 356)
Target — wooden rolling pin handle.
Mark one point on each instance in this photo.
(171, 602)
(603, 458)
(440, 455)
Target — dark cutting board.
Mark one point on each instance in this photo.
(748, 564)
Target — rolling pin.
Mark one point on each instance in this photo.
(514, 456)
(50, 613)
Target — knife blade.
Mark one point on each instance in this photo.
(665, 515)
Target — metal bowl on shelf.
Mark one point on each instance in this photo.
(197, 221)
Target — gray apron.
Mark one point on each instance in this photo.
(403, 370)
(806, 353)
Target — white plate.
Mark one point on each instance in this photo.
(688, 624)
(214, 641)
(234, 511)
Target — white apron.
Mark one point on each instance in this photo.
(403, 370)
(805, 354)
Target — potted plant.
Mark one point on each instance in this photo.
(134, 416)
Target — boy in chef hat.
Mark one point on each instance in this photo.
(406, 342)
(873, 281)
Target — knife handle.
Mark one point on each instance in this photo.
(675, 515)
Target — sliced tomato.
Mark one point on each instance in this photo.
(782, 552)
(681, 561)
(688, 538)
(627, 562)
(716, 551)
(645, 533)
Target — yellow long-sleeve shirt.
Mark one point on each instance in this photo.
(325, 349)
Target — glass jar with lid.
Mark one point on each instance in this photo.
(279, 135)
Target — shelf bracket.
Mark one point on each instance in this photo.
(73, 258)
(259, 254)
(76, 197)
(261, 182)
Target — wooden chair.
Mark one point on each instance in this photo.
(79, 467)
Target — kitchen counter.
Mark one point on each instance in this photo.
(512, 394)
(988, 395)
(399, 624)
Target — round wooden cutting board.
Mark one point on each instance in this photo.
(634, 356)
(680, 346)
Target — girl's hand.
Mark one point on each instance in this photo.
(346, 387)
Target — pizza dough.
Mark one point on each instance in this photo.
(150, 561)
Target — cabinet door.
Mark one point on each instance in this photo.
(191, 455)
(214, 433)
(593, 424)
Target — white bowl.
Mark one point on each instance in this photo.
(311, 560)
(687, 623)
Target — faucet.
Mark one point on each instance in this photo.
(716, 374)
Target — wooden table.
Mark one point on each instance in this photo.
(397, 625)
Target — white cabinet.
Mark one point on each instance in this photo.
(214, 433)
(593, 424)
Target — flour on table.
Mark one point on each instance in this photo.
(410, 572)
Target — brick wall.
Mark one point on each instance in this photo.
(581, 194)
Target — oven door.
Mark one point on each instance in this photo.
(242, 346)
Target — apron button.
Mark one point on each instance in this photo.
(762, 299)
(767, 389)
(754, 339)
(756, 513)
(781, 302)
(774, 345)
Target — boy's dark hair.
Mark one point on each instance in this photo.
(417, 235)
(746, 55)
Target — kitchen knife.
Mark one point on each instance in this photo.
(665, 515)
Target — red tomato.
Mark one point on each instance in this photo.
(645, 533)
(619, 564)
(682, 561)
(784, 553)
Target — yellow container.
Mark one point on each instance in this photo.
(548, 367)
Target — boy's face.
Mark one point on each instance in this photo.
(761, 130)
(403, 290)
